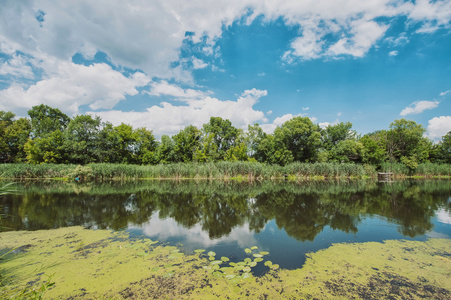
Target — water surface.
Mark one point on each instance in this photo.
(288, 219)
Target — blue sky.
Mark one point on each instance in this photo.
(168, 64)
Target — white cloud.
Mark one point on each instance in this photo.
(445, 93)
(72, 86)
(261, 74)
(17, 66)
(198, 63)
(438, 127)
(170, 119)
(393, 53)
(167, 89)
(418, 107)
(305, 108)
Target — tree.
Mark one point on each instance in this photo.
(405, 139)
(374, 152)
(300, 137)
(347, 151)
(253, 138)
(186, 142)
(146, 146)
(223, 134)
(165, 151)
(13, 136)
(444, 149)
(333, 134)
(45, 120)
(81, 139)
(48, 149)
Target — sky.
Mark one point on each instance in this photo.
(167, 64)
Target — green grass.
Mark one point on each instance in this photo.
(242, 171)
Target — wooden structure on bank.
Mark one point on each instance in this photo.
(385, 177)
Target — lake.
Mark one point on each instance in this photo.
(287, 219)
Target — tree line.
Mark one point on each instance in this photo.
(50, 136)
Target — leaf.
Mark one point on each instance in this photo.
(223, 258)
(268, 263)
(275, 267)
(252, 264)
(211, 253)
(264, 252)
(258, 259)
(168, 274)
(246, 269)
(254, 247)
(199, 250)
(258, 255)
(247, 250)
(216, 262)
(247, 260)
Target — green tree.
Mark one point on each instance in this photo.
(300, 137)
(444, 149)
(48, 149)
(269, 151)
(224, 134)
(253, 138)
(146, 146)
(45, 120)
(165, 151)
(347, 151)
(374, 152)
(333, 134)
(405, 139)
(81, 139)
(13, 136)
(186, 142)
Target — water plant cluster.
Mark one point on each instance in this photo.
(90, 264)
(50, 136)
(236, 272)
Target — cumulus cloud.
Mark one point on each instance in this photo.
(418, 107)
(72, 86)
(170, 119)
(393, 53)
(164, 88)
(438, 127)
(445, 93)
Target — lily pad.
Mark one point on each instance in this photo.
(258, 255)
(211, 258)
(268, 263)
(246, 275)
(258, 259)
(239, 268)
(241, 263)
(247, 260)
(168, 274)
(223, 258)
(247, 250)
(232, 264)
(230, 276)
(275, 267)
(211, 253)
(246, 269)
(216, 262)
(264, 252)
(175, 251)
(254, 247)
(217, 274)
(199, 250)
(252, 264)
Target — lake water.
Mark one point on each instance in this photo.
(287, 219)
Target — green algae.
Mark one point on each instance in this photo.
(88, 264)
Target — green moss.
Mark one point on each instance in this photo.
(90, 264)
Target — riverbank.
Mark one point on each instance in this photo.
(219, 170)
(86, 264)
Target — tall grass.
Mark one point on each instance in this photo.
(217, 170)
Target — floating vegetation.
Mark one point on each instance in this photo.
(110, 265)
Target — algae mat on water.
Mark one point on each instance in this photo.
(90, 264)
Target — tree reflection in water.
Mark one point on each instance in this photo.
(303, 210)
